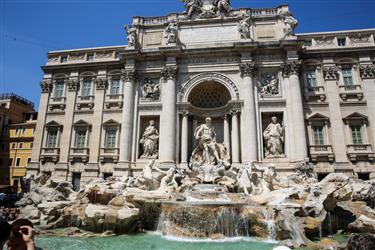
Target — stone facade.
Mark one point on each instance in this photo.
(244, 68)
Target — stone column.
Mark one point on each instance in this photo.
(226, 132)
(368, 77)
(184, 139)
(128, 78)
(168, 116)
(66, 136)
(235, 138)
(291, 70)
(249, 143)
(33, 166)
(96, 132)
(330, 74)
(195, 125)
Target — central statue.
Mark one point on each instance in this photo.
(209, 158)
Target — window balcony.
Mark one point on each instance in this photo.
(50, 154)
(358, 152)
(351, 91)
(321, 152)
(85, 102)
(79, 154)
(114, 101)
(315, 93)
(57, 103)
(109, 154)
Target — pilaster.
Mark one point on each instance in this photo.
(331, 77)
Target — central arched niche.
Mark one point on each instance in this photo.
(209, 94)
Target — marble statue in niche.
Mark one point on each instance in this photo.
(149, 141)
(171, 32)
(209, 159)
(150, 90)
(274, 139)
(269, 86)
(244, 28)
(132, 36)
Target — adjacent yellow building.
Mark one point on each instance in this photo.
(21, 141)
(17, 123)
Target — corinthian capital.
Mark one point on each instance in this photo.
(367, 71)
(169, 72)
(290, 67)
(247, 69)
(128, 75)
(46, 85)
(330, 72)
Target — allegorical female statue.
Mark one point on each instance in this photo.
(274, 139)
(149, 141)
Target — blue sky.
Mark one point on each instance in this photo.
(31, 28)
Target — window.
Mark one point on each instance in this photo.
(59, 88)
(356, 134)
(115, 87)
(10, 162)
(18, 162)
(52, 138)
(17, 131)
(23, 131)
(86, 87)
(90, 57)
(311, 78)
(14, 145)
(318, 135)
(20, 145)
(63, 59)
(81, 138)
(31, 144)
(341, 42)
(110, 139)
(28, 160)
(347, 76)
(117, 55)
(1, 162)
(33, 130)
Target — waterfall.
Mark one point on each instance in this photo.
(270, 221)
(195, 220)
(329, 222)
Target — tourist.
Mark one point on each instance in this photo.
(5, 231)
(21, 235)
(361, 242)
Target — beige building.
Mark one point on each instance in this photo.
(274, 97)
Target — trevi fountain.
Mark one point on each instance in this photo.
(230, 168)
(209, 202)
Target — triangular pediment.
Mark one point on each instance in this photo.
(53, 124)
(111, 122)
(82, 123)
(356, 116)
(318, 116)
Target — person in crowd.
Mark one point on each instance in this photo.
(361, 242)
(21, 235)
(4, 231)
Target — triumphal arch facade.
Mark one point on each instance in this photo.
(273, 96)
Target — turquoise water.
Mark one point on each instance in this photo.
(148, 241)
